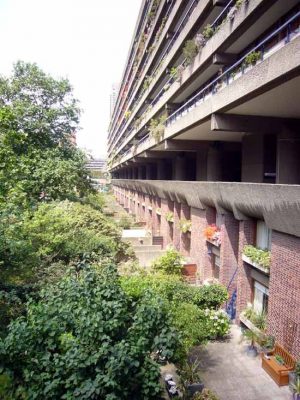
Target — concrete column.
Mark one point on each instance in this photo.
(253, 158)
(201, 165)
(214, 164)
(140, 172)
(288, 160)
(161, 170)
(179, 171)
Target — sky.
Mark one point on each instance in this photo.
(86, 41)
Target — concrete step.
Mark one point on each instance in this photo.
(145, 247)
(146, 258)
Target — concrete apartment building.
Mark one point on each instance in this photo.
(204, 146)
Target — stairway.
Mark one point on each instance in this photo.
(145, 251)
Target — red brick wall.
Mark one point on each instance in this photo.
(176, 224)
(198, 250)
(229, 251)
(284, 291)
(244, 281)
(185, 238)
(166, 228)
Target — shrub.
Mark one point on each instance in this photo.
(170, 263)
(208, 31)
(206, 394)
(252, 58)
(85, 339)
(218, 325)
(210, 296)
(124, 222)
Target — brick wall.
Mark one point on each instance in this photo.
(166, 228)
(198, 250)
(185, 238)
(284, 291)
(244, 281)
(176, 225)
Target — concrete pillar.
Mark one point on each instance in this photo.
(253, 158)
(201, 165)
(179, 172)
(288, 160)
(214, 164)
(140, 172)
(161, 170)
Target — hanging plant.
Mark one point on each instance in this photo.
(185, 225)
(190, 51)
(208, 31)
(169, 216)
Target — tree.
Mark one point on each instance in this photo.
(38, 116)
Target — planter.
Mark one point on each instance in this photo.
(194, 388)
(248, 260)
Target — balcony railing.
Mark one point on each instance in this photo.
(239, 67)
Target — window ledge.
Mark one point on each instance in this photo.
(247, 260)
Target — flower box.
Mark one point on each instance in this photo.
(247, 260)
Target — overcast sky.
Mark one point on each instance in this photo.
(84, 40)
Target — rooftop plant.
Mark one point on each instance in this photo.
(259, 256)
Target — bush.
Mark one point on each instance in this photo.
(170, 263)
(190, 51)
(211, 296)
(86, 339)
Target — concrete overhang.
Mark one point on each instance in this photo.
(278, 205)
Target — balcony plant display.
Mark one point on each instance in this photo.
(127, 115)
(157, 127)
(252, 58)
(213, 234)
(190, 51)
(258, 256)
(169, 216)
(208, 31)
(185, 225)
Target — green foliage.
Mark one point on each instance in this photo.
(218, 325)
(157, 127)
(38, 118)
(279, 359)
(170, 263)
(259, 256)
(190, 51)
(210, 296)
(252, 58)
(185, 225)
(296, 387)
(252, 336)
(170, 216)
(124, 222)
(86, 339)
(208, 31)
(189, 372)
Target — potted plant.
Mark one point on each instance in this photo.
(296, 389)
(170, 216)
(253, 337)
(267, 343)
(294, 375)
(190, 378)
(185, 225)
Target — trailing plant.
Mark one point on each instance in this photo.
(157, 127)
(252, 58)
(185, 225)
(169, 263)
(190, 51)
(259, 256)
(169, 216)
(208, 31)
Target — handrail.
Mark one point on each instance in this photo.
(225, 10)
(174, 37)
(195, 98)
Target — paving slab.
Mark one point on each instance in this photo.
(233, 375)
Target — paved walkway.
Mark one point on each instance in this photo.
(232, 375)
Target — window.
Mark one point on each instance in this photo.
(263, 236)
(261, 296)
